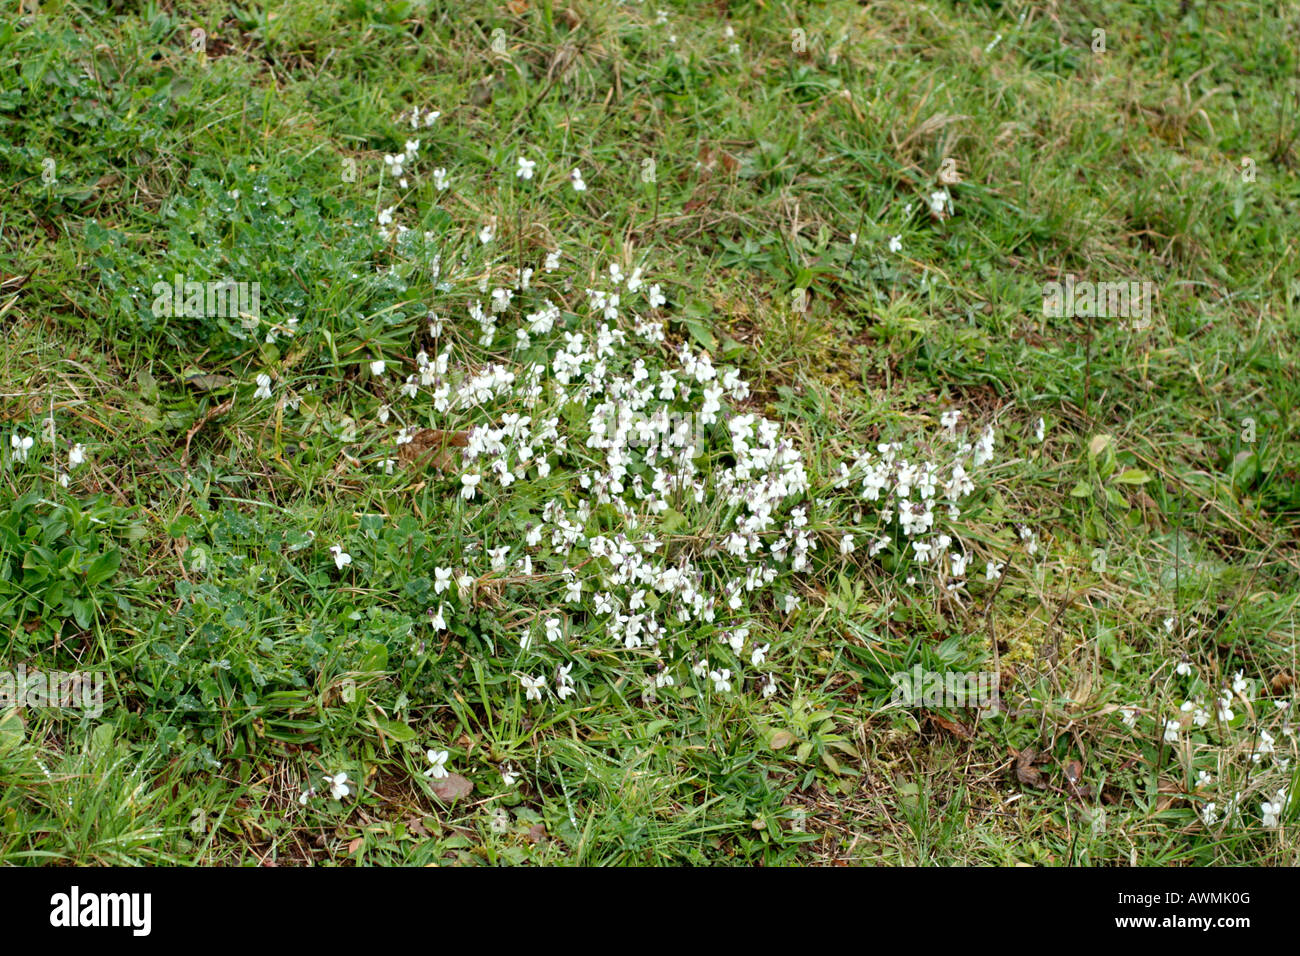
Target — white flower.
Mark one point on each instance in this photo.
(263, 386)
(1272, 812)
(1225, 710)
(655, 298)
(468, 485)
(564, 683)
(532, 686)
(721, 680)
(485, 234)
(439, 621)
(338, 785)
(377, 367)
(21, 445)
(438, 759)
(509, 777)
(993, 570)
(1171, 731)
(1040, 430)
(1184, 669)
(440, 181)
(441, 579)
(341, 557)
(940, 203)
(846, 544)
(1129, 716)
(896, 243)
(76, 455)
(1239, 683)
(306, 795)
(1204, 778)
(553, 629)
(759, 654)
(575, 177)
(526, 167)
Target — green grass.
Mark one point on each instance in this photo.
(187, 560)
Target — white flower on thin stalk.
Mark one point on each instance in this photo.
(565, 686)
(896, 243)
(575, 177)
(532, 686)
(441, 579)
(263, 386)
(469, 484)
(76, 455)
(1172, 727)
(341, 558)
(721, 680)
(438, 764)
(338, 785)
(21, 445)
(526, 167)
(440, 180)
(377, 368)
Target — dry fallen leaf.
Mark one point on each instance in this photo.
(452, 787)
(433, 446)
(1074, 772)
(781, 739)
(1025, 771)
(952, 726)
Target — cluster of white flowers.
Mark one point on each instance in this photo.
(710, 505)
(667, 512)
(20, 448)
(1222, 714)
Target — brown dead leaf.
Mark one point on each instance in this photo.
(433, 446)
(956, 728)
(1025, 770)
(452, 787)
(518, 7)
(537, 833)
(355, 845)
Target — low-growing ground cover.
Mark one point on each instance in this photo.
(620, 433)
